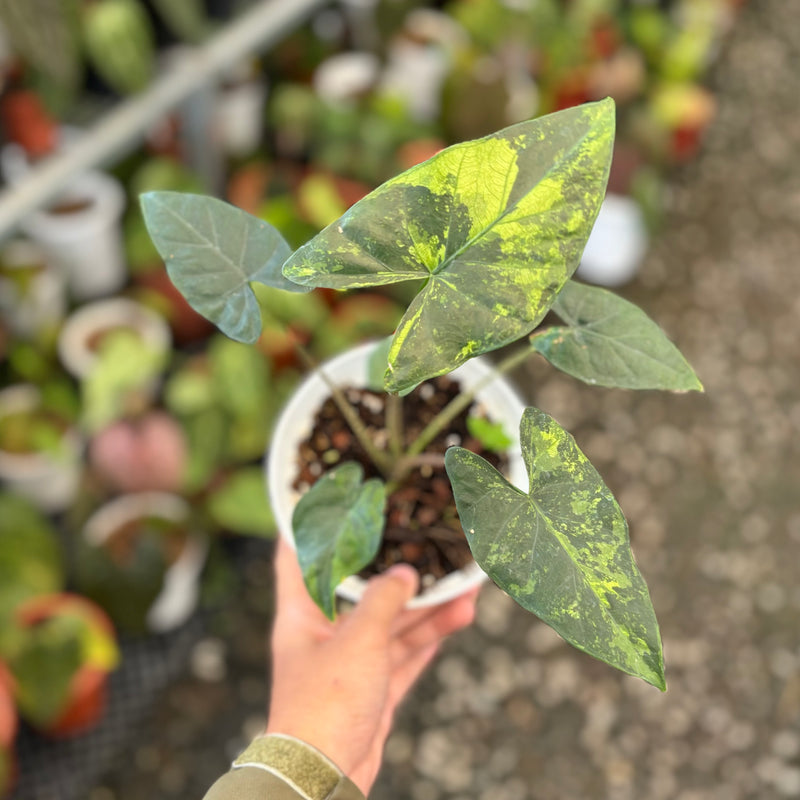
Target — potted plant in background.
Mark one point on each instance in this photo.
(491, 231)
(140, 558)
(89, 327)
(31, 562)
(8, 731)
(32, 292)
(40, 446)
(60, 649)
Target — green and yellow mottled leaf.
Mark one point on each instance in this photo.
(561, 550)
(213, 251)
(337, 528)
(611, 342)
(494, 226)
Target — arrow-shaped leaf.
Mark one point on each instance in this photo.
(611, 342)
(337, 527)
(495, 227)
(212, 251)
(561, 550)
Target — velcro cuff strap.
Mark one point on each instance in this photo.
(307, 770)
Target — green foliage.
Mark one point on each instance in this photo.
(337, 527)
(125, 578)
(30, 557)
(120, 43)
(611, 342)
(490, 434)
(560, 550)
(463, 220)
(212, 251)
(44, 662)
(126, 366)
(240, 504)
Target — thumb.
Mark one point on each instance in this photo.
(385, 598)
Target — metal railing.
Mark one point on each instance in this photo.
(123, 128)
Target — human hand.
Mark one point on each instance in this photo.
(336, 685)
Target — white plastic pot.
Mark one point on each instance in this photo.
(49, 480)
(180, 592)
(498, 399)
(74, 341)
(42, 303)
(617, 243)
(239, 111)
(85, 242)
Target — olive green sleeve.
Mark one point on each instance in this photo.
(278, 767)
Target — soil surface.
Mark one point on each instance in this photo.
(422, 527)
(709, 484)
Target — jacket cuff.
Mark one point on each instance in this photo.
(305, 769)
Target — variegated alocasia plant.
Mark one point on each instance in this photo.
(493, 230)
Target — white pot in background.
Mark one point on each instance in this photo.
(342, 79)
(498, 399)
(180, 592)
(75, 339)
(239, 111)
(617, 243)
(50, 480)
(42, 302)
(82, 234)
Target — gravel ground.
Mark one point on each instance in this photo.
(709, 485)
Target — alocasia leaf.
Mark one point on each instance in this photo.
(561, 550)
(212, 251)
(337, 527)
(611, 342)
(495, 227)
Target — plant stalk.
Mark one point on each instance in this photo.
(462, 401)
(379, 457)
(394, 423)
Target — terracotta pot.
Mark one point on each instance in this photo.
(499, 400)
(8, 711)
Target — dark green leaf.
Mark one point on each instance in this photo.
(561, 550)
(337, 527)
(611, 342)
(490, 434)
(213, 251)
(44, 667)
(495, 227)
(241, 505)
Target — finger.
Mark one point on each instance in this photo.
(297, 619)
(383, 601)
(412, 618)
(434, 627)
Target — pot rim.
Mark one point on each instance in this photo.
(72, 349)
(179, 594)
(499, 399)
(25, 397)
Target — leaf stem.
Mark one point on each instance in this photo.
(462, 401)
(379, 457)
(394, 423)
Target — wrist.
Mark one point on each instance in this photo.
(327, 747)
